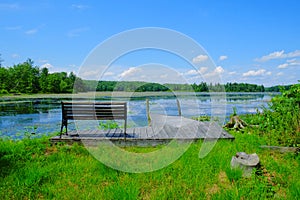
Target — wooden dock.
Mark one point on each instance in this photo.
(162, 130)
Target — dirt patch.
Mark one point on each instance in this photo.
(224, 181)
(50, 150)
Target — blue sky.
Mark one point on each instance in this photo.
(255, 41)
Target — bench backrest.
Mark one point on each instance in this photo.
(94, 110)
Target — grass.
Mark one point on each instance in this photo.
(35, 169)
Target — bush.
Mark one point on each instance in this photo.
(4, 91)
(280, 123)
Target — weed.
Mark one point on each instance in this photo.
(234, 174)
(109, 124)
(202, 118)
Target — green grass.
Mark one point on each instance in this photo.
(35, 169)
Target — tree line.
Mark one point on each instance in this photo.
(27, 78)
(138, 86)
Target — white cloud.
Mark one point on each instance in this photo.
(15, 55)
(34, 30)
(54, 69)
(47, 65)
(223, 57)
(76, 32)
(232, 73)
(130, 72)
(91, 72)
(191, 72)
(279, 55)
(31, 31)
(72, 65)
(279, 74)
(152, 72)
(291, 60)
(79, 6)
(282, 66)
(259, 72)
(13, 28)
(215, 73)
(219, 70)
(43, 61)
(293, 54)
(108, 74)
(196, 72)
(164, 76)
(200, 58)
(296, 63)
(203, 70)
(9, 6)
(274, 55)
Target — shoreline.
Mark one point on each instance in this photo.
(92, 95)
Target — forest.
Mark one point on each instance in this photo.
(29, 79)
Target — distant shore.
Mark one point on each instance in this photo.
(92, 95)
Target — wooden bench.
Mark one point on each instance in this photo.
(93, 111)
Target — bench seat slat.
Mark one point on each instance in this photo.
(75, 112)
(93, 106)
(94, 103)
(95, 117)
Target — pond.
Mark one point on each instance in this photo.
(43, 115)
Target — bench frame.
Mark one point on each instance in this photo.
(93, 111)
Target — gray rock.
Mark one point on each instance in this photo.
(246, 162)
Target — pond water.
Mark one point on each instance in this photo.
(43, 115)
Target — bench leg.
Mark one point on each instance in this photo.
(64, 123)
(125, 126)
(61, 129)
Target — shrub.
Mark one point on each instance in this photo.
(280, 123)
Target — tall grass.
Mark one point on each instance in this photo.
(36, 169)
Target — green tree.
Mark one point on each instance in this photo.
(44, 80)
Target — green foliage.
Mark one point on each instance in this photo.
(128, 86)
(277, 88)
(234, 174)
(108, 124)
(280, 123)
(202, 87)
(234, 111)
(202, 118)
(243, 87)
(27, 78)
(138, 86)
(4, 91)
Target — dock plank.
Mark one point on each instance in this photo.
(142, 132)
(174, 127)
